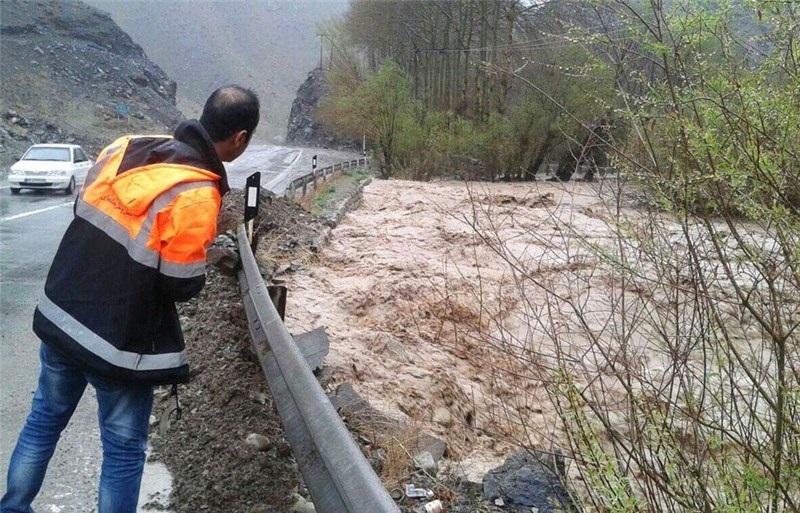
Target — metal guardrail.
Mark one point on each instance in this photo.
(301, 183)
(335, 471)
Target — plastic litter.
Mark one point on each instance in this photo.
(414, 492)
(434, 507)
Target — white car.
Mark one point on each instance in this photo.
(50, 166)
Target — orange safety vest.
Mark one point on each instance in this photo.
(143, 220)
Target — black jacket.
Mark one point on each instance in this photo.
(137, 244)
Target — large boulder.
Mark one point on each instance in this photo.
(529, 479)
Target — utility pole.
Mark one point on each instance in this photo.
(320, 51)
(416, 76)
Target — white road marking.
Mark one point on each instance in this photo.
(283, 174)
(292, 157)
(34, 212)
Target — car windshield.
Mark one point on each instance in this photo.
(45, 153)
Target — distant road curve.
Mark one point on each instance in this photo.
(279, 165)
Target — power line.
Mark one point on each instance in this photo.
(535, 44)
(538, 44)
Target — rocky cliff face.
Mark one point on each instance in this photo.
(303, 127)
(70, 74)
(266, 45)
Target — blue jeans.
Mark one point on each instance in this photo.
(123, 412)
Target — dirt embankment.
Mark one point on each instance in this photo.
(228, 400)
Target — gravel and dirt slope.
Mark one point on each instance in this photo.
(228, 400)
(215, 467)
(66, 70)
(396, 289)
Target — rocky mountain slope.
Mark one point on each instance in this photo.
(303, 127)
(268, 45)
(70, 74)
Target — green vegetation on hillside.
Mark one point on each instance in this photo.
(487, 88)
(329, 195)
(679, 389)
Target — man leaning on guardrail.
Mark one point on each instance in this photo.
(137, 244)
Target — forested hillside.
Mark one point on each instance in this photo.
(671, 351)
(522, 87)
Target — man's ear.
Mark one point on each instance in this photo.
(232, 147)
(241, 139)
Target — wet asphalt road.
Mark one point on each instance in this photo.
(31, 226)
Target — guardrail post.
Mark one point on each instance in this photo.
(326, 172)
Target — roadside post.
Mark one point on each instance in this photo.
(251, 199)
(314, 170)
(123, 112)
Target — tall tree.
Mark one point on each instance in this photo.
(375, 110)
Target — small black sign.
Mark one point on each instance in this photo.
(314, 162)
(251, 196)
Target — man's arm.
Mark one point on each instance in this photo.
(186, 231)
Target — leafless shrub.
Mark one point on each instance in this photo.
(668, 341)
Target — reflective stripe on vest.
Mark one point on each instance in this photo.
(105, 350)
(137, 249)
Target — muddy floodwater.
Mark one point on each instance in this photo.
(407, 289)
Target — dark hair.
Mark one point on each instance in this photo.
(228, 110)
